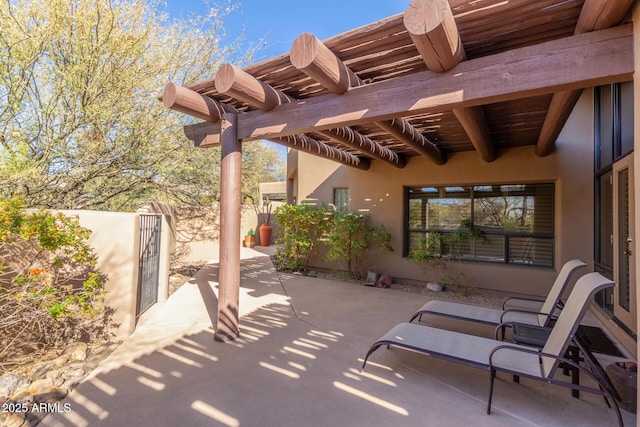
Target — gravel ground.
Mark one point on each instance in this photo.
(463, 294)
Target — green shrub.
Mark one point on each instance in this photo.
(440, 249)
(49, 291)
(350, 239)
(301, 229)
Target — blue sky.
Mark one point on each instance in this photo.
(279, 22)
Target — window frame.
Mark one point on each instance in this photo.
(508, 237)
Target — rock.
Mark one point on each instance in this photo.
(372, 278)
(10, 383)
(74, 370)
(385, 281)
(77, 351)
(45, 385)
(70, 383)
(435, 286)
(42, 370)
(61, 360)
(12, 419)
(53, 374)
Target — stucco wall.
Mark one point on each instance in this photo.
(115, 238)
(378, 193)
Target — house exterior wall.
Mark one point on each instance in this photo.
(379, 193)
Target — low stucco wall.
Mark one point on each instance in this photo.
(115, 238)
(195, 230)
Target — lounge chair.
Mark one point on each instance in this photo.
(495, 317)
(493, 356)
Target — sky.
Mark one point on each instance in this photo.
(280, 22)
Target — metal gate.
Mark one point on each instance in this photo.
(150, 226)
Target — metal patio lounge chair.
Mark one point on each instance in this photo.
(491, 316)
(492, 355)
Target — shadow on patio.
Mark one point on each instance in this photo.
(297, 364)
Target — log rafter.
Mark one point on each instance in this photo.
(348, 136)
(187, 101)
(241, 85)
(433, 31)
(309, 145)
(595, 15)
(569, 63)
(309, 55)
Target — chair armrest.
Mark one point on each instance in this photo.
(526, 350)
(515, 310)
(504, 304)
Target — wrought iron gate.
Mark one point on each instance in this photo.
(150, 226)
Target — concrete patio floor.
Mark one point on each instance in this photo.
(297, 364)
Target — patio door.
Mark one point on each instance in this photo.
(624, 268)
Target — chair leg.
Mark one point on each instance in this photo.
(492, 377)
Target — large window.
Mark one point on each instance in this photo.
(514, 220)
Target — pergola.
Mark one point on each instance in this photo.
(444, 76)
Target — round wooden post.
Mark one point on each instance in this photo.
(230, 204)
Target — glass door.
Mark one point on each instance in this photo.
(624, 295)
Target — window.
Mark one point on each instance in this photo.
(515, 220)
(614, 139)
(613, 123)
(341, 199)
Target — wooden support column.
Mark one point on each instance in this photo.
(595, 15)
(434, 32)
(230, 204)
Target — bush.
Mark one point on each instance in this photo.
(351, 237)
(49, 291)
(302, 227)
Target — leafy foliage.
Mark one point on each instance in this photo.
(80, 120)
(350, 238)
(49, 290)
(439, 248)
(302, 227)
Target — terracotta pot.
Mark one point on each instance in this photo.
(265, 235)
(249, 241)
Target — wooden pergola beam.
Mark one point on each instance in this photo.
(348, 136)
(204, 135)
(187, 101)
(402, 130)
(595, 15)
(232, 81)
(434, 32)
(575, 62)
(309, 55)
(309, 145)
